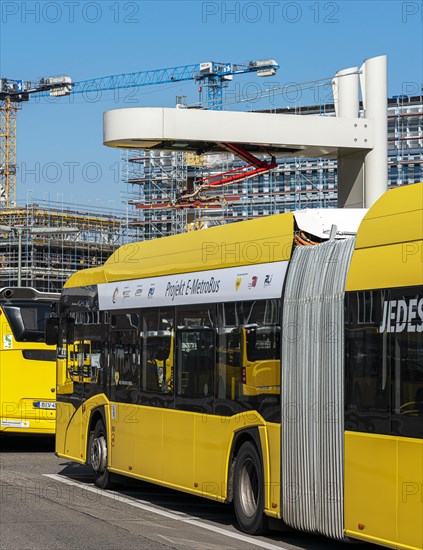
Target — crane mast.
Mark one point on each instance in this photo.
(8, 111)
(12, 94)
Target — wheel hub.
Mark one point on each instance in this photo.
(249, 488)
(99, 454)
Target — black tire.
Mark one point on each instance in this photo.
(99, 457)
(249, 491)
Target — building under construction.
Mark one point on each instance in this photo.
(157, 182)
(41, 245)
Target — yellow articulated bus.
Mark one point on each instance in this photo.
(274, 363)
(27, 365)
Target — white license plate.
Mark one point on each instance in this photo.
(45, 405)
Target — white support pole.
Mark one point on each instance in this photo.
(350, 163)
(375, 94)
(345, 93)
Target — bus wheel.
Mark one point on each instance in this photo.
(98, 457)
(249, 491)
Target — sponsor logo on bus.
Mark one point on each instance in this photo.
(268, 280)
(115, 294)
(151, 292)
(126, 294)
(253, 282)
(402, 315)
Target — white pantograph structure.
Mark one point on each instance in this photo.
(359, 144)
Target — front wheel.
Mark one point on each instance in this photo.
(249, 491)
(98, 457)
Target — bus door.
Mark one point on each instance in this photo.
(70, 388)
(157, 390)
(195, 353)
(124, 362)
(194, 391)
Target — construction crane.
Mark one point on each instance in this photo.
(12, 94)
(213, 76)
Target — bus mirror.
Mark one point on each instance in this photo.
(52, 331)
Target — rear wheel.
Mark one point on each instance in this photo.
(99, 456)
(249, 491)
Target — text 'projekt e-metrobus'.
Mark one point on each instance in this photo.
(275, 363)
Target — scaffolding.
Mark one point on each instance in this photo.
(405, 141)
(44, 243)
(156, 180)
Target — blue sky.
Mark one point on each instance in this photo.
(60, 151)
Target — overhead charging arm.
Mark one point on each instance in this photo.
(255, 167)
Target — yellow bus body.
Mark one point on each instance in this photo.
(27, 378)
(186, 456)
(384, 474)
(191, 451)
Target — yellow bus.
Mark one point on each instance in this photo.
(246, 365)
(27, 365)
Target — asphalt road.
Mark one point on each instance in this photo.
(49, 503)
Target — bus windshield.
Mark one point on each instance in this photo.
(27, 320)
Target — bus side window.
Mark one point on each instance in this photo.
(157, 334)
(229, 374)
(195, 357)
(195, 363)
(125, 354)
(406, 357)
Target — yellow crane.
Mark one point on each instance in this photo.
(12, 94)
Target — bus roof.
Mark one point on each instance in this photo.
(268, 239)
(395, 218)
(388, 250)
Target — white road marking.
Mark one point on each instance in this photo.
(143, 505)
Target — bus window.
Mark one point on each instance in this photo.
(27, 320)
(228, 368)
(125, 355)
(195, 363)
(195, 358)
(158, 347)
(383, 370)
(406, 355)
(263, 342)
(248, 357)
(367, 370)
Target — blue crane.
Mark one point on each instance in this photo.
(214, 76)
